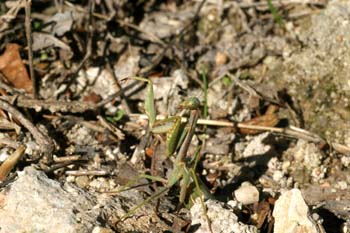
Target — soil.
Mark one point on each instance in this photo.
(274, 89)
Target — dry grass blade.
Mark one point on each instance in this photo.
(11, 162)
(28, 29)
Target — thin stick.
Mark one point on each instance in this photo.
(150, 36)
(29, 43)
(114, 130)
(67, 158)
(42, 139)
(123, 97)
(71, 77)
(150, 198)
(117, 94)
(279, 3)
(288, 131)
(9, 142)
(87, 173)
(51, 105)
(10, 162)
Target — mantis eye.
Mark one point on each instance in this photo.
(191, 103)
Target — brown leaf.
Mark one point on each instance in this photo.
(269, 120)
(262, 210)
(12, 67)
(92, 97)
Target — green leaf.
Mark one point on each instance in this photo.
(274, 12)
(205, 92)
(227, 81)
(149, 101)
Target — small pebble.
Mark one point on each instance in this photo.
(82, 181)
(220, 58)
(247, 194)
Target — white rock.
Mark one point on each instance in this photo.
(292, 214)
(277, 175)
(222, 219)
(247, 194)
(257, 146)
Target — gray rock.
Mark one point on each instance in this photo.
(34, 203)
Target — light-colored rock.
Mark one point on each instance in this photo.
(307, 162)
(102, 230)
(292, 214)
(34, 203)
(247, 194)
(82, 181)
(307, 153)
(257, 146)
(81, 135)
(222, 219)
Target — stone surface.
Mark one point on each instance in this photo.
(222, 219)
(292, 214)
(34, 203)
(258, 146)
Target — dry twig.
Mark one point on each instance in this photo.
(114, 130)
(291, 131)
(11, 162)
(43, 140)
(88, 173)
(52, 105)
(30, 50)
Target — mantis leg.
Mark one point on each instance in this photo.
(150, 198)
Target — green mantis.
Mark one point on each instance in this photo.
(178, 142)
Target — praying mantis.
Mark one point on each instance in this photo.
(177, 143)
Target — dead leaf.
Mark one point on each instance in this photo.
(262, 210)
(62, 23)
(268, 120)
(92, 97)
(12, 67)
(43, 40)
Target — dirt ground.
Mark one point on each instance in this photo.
(79, 143)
